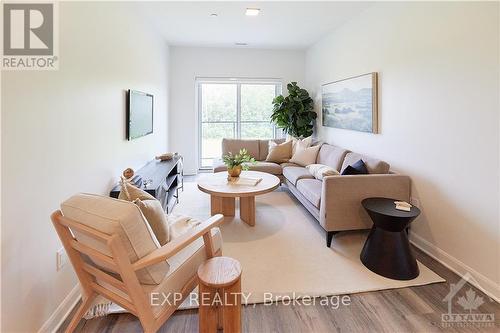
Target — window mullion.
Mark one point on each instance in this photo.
(238, 111)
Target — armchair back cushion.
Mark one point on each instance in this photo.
(332, 156)
(234, 146)
(373, 165)
(119, 217)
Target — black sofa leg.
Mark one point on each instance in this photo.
(329, 237)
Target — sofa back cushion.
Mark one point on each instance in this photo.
(372, 164)
(116, 217)
(332, 156)
(234, 146)
(264, 148)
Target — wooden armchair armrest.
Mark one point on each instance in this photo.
(173, 247)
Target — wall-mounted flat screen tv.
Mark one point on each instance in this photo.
(139, 114)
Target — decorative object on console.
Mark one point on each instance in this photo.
(319, 171)
(279, 153)
(351, 103)
(235, 163)
(358, 168)
(165, 157)
(128, 173)
(294, 113)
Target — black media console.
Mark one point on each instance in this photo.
(163, 180)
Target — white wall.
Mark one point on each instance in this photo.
(64, 132)
(187, 63)
(438, 66)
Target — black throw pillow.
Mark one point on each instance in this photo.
(358, 168)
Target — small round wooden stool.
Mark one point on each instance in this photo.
(220, 295)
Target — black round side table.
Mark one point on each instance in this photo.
(387, 249)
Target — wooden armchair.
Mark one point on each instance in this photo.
(97, 235)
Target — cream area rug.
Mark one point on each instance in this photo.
(285, 253)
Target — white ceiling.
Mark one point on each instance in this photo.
(280, 25)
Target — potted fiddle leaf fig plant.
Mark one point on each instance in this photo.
(295, 112)
(235, 163)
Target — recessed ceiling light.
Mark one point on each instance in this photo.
(214, 15)
(252, 11)
(241, 44)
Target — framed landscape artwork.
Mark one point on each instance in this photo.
(351, 103)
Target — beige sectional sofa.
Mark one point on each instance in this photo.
(334, 201)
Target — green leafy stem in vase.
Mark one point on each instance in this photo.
(243, 156)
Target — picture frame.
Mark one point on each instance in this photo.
(351, 103)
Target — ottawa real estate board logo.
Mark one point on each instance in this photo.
(30, 36)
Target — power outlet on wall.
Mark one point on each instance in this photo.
(61, 258)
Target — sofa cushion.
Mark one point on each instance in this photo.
(219, 165)
(311, 189)
(279, 153)
(305, 156)
(293, 174)
(289, 164)
(269, 167)
(264, 148)
(116, 217)
(372, 165)
(332, 156)
(234, 146)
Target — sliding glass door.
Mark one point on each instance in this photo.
(233, 109)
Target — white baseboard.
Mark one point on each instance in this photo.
(62, 311)
(483, 283)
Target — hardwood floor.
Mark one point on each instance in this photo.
(414, 309)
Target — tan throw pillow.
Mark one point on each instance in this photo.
(305, 156)
(279, 153)
(319, 171)
(301, 144)
(153, 212)
(129, 192)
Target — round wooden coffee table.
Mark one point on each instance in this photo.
(223, 193)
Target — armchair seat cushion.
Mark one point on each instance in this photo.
(311, 189)
(116, 217)
(293, 174)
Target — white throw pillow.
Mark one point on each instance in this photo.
(319, 171)
(305, 156)
(279, 153)
(300, 143)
